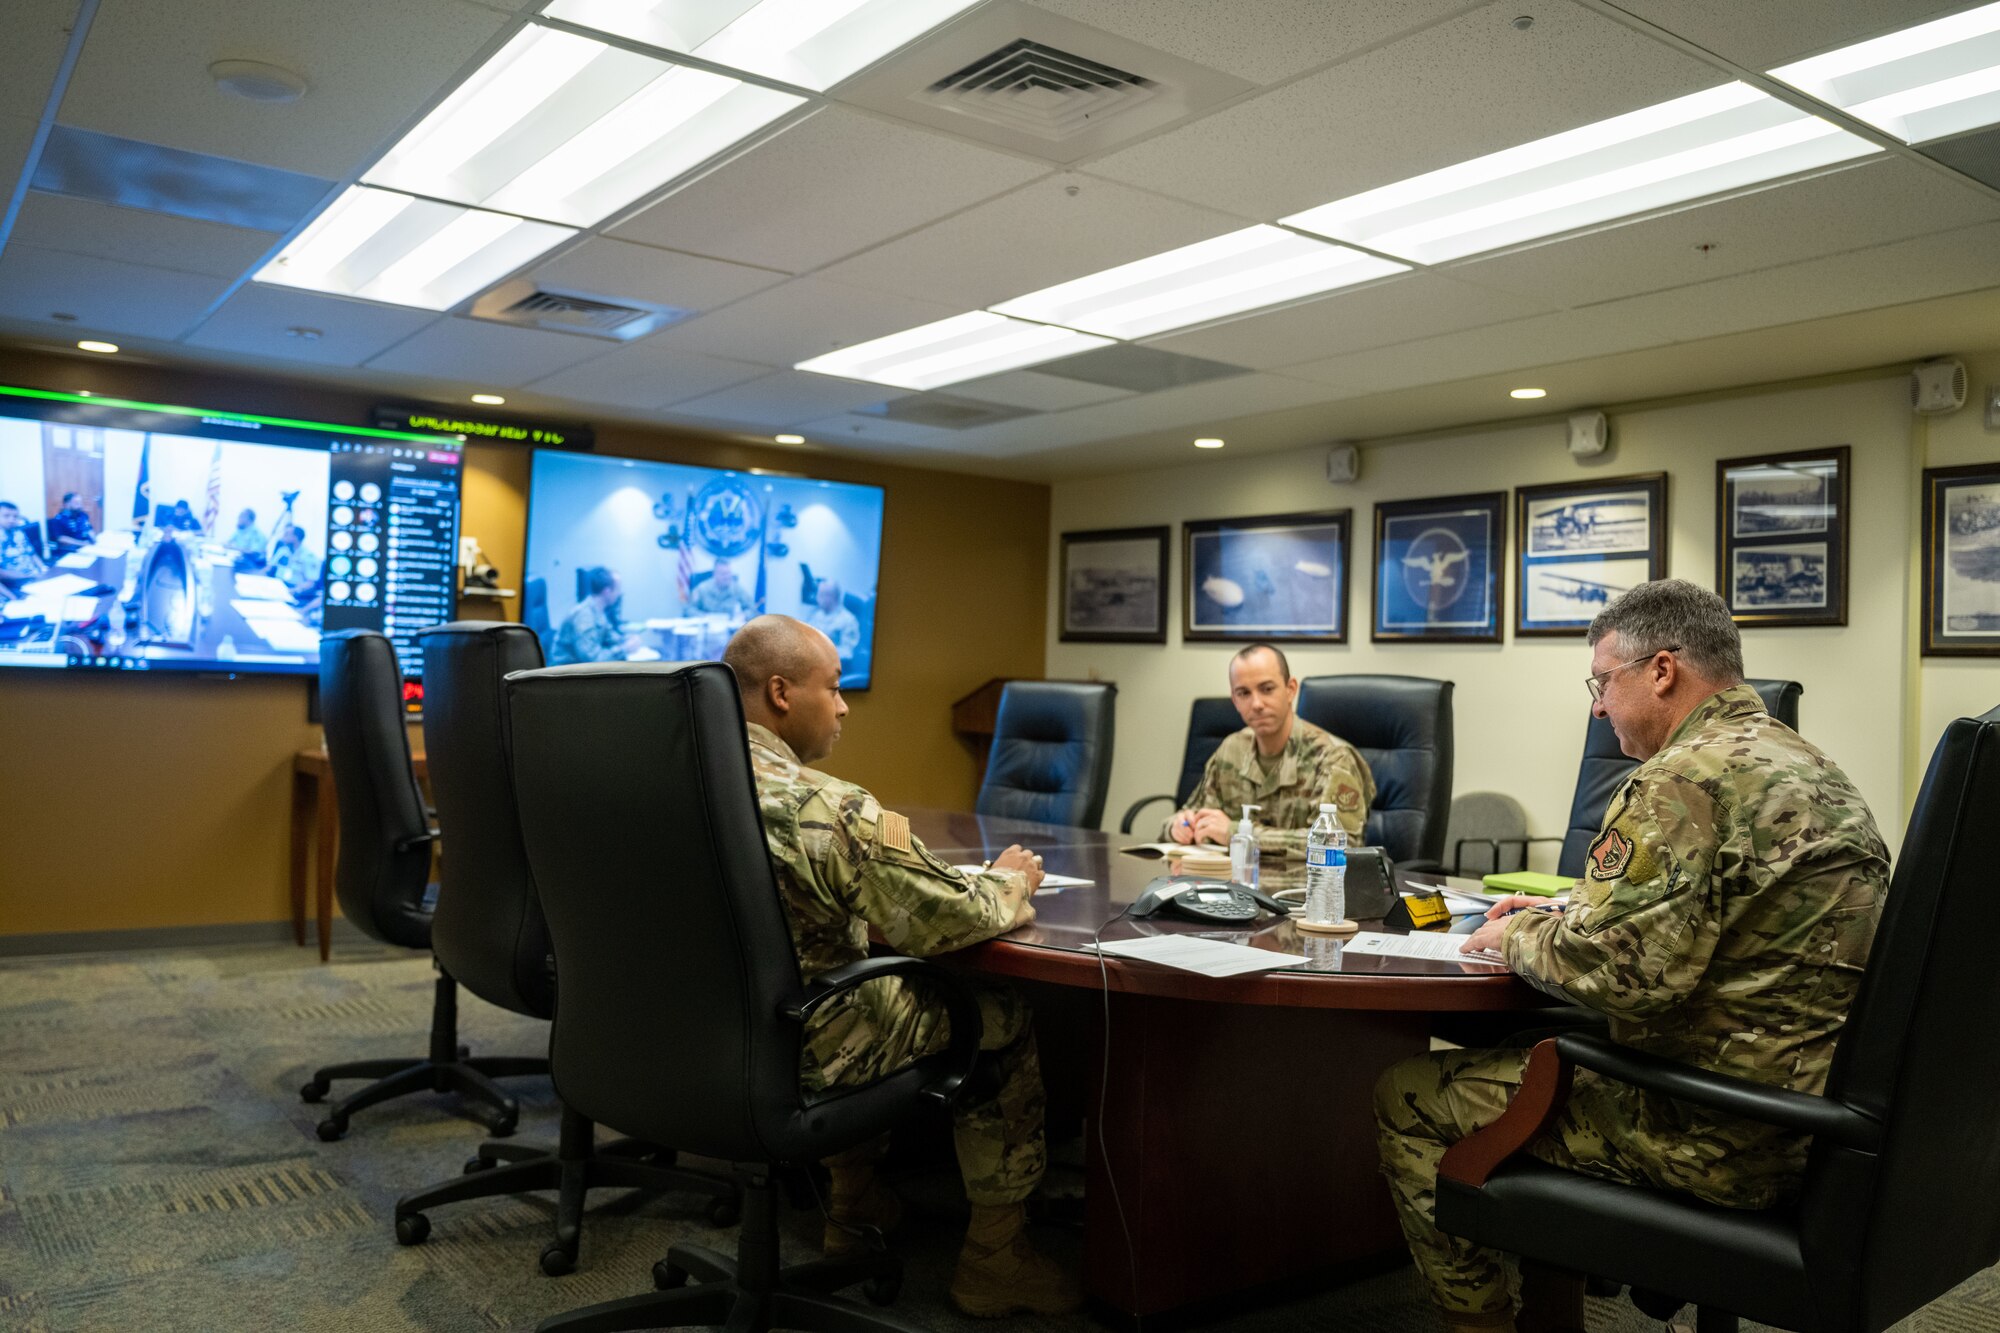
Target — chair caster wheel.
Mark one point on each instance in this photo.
(883, 1290)
(557, 1261)
(667, 1275)
(474, 1165)
(412, 1229)
(331, 1128)
(724, 1212)
(504, 1126)
(315, 1091)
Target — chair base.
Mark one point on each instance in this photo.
(750, 1294)
(574, 1168)
(448, 1068)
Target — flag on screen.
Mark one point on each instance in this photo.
(142, 494)
(213, 510)
(684, 571)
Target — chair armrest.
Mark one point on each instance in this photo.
(959, 1056)
(410, 844)
(1132, 811)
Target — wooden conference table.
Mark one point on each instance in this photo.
(1237, 1129)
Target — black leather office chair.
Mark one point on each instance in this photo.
(682, 1013)
(488, 932)
(382, 876)
(1051, 757)
(535, 612)
(1897, 1202)
(1402, 726)
(1210, 723)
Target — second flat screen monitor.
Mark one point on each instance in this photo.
(636, 561)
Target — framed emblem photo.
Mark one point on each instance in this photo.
(1114, 586)
(1438, 569)
(1962, 561)
(1579, 544)
(1781, 537)
(1281, 577)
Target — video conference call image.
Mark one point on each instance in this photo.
(135, 537)
(636, 561)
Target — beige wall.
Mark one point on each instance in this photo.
(1953, 686)
(165, 801)
(1521, 708)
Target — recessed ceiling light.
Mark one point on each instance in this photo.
(1527, 393)
(1208, 442)
(1706, 143)
(488, 399)
(255, 81)
(811, 43)
(1918, 84)
(963, 347)
(1226, 275)
(93, 345)
(789, 439)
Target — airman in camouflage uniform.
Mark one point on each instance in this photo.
(1723, 921)
(1306, 767)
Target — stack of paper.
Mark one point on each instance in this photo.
(1435, 948)
(1192, 953)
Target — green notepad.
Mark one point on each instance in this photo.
(1530, 881)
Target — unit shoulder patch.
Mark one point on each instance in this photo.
(1610, 854)
(1347, 797)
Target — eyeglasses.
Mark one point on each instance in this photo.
(1595, 681)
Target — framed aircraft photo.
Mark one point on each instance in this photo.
(1438, 569)
(1781, 537)
(1279, 577)
(1580, 544)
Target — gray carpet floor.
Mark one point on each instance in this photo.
(158, 1171)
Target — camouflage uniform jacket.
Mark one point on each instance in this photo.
(1315, 768)
(844, 864)
(1723, 921)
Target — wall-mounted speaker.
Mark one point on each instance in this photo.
(1937, 387)
(1343, 463)
(1589, 434)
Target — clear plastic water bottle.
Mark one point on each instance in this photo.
(1244, 853)
(1326, 869)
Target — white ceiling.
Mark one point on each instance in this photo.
(854, 222)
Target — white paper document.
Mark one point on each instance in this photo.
(253, 610)
(59, 585)
(1192, 953)
(287, 636)
(76, 560)
(1419, 944)
(1174, 849)
(263, 587)
(1051, 883)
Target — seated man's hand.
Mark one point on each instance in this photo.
(1020, 858)
(1502, 906)
(1488, 936)
(1211, 826)
(1182, 829)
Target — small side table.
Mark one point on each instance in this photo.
(315, 836)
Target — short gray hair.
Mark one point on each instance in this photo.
(1673, 613)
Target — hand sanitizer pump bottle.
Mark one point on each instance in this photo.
(1243, 853)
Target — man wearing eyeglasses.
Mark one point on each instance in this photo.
(1723, 920)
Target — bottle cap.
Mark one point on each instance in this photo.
(1325, 806)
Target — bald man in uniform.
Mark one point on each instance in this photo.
(844, 864)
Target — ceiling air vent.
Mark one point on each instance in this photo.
(525, 303)
(1036, 89)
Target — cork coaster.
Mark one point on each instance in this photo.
(1332, 928)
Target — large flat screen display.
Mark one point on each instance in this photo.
(142, 537)
(636, 561)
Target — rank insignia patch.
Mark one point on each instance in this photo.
(1610, 854)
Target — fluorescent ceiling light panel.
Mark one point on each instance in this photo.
(384, 246)
(1918, 84)
(807, 43)
(1227, 275)
(963, 347)
(1723, 139)
(566, 128)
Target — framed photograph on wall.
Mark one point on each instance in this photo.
(1281, 577)
(1578, 544)
(1114, 586)
(1962, 561)
(1438, 569)
(1781, 537)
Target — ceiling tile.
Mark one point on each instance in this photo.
(618, 270)
(782, 400)
(803, 318)
(1035, 237)
(370, 67)
(1412, 305)
(1198, 409)
(1263, 42)
(17, 136)
(77, 226)
(849, 427)
(644, 376)
(1776, 32)
(1884, 200)
(37, 35)
(1519, 344)
(1041, 393)
(484, 353)
(105, 295)
(826, 187)
(254, 322)
(1459, 90)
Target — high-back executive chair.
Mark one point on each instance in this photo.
(1210, 723)
(1051, 757)
(681, 1013)
(1897, 1200)
(488, 932)
(382, 878)
(1402, 726)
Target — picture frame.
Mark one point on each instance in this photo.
(1781, 537)
(1114, 586)
(1961, 537)
(1276, 577)
(1440, 569)
(1578, 544)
